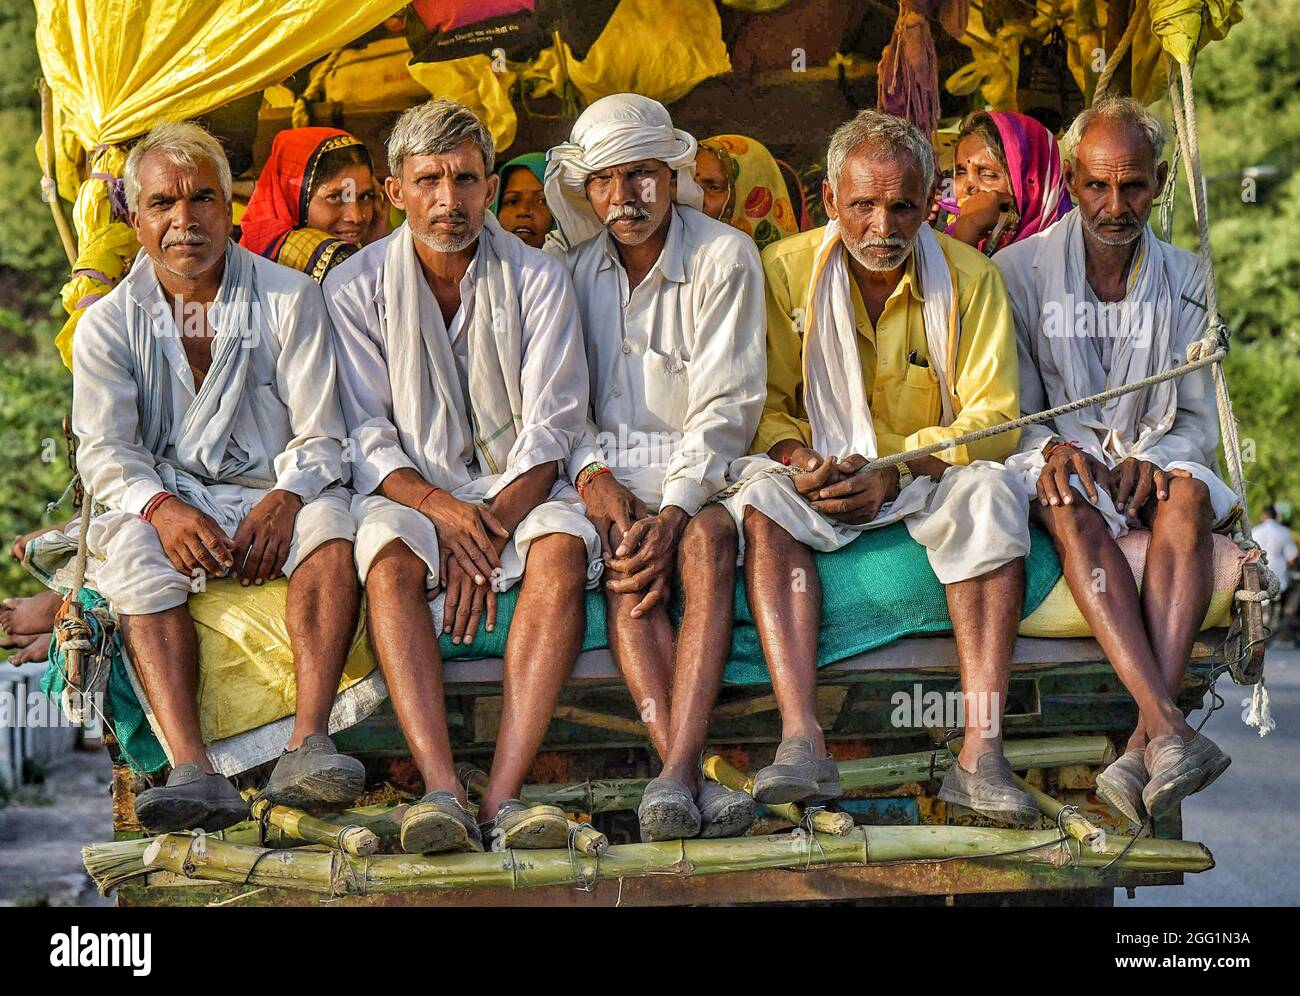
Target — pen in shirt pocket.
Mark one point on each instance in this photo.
(913, 361)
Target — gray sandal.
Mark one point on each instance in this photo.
(795, 775)
(1121, 785)
(192, 799)
(439, 823)
(990, 791)
(316, 776)
(1178, 769)
(668, 811)
(724, 812)
(518, 825)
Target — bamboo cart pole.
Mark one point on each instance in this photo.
(330, 872)
(1067, 818)
(716, 768)
(298, 825)
(49, 181)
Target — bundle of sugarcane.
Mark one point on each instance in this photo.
(298, 825)
(113, 863)
(820, 820)
(333, 873)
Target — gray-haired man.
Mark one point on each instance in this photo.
(464, 386)
(1100, 302)
(206, 368)
(884, 337)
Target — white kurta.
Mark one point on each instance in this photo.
(552, 381)
(288, 428)
(678, 364)
(1192, 438)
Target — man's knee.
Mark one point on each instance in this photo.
(763, 531)
(559, 556)
(396, 567)
(710, 538)
(1076, 523)
(1190, 504)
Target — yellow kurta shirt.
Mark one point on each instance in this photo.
(903, 393)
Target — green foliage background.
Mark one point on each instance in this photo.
(1249, 100)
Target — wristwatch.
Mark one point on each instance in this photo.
(904, 475)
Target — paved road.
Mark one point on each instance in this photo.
(1246, 818)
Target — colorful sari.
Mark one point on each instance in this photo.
(1034, 168)
(758, 204)
(273, 223)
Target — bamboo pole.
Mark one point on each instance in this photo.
(298, 825)
(1037, 752)
(332, 873)
(1070, 820)
(49, 170)
(717, 769)
(588, 839)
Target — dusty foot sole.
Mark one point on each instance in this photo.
(1019, 816)
(538, 832)
(1122, 798)
(668, 820)
(335, 786)
(172, 815)
(433, 832)
(777, 789)
(731, 819)
(1175, 791)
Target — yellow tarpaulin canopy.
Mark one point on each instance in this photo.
(1173, 27)
(118, 66)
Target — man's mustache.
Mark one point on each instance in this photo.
(449, 216)
(626, 212)
(188, 239)
(1128, 220)
(883, 244)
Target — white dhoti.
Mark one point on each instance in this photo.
(137, 578)
(973, 521)
(380, 521)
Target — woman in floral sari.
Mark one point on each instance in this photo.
(743, 186)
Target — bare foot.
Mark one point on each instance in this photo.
(30, 616)
(37, 649)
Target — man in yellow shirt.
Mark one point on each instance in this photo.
(884, 336)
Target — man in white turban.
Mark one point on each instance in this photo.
(672, 305)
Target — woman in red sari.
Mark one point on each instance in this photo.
(315, 203)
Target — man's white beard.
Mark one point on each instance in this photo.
(439, 243)
(1094, 231)
(858, 252)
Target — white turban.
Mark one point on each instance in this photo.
(620, 128)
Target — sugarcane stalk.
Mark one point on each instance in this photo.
(332, 873)
(1070, 820)
(298, 825)
(588, 839)
(716, 768)
(1037, 752)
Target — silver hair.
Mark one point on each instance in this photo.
(434, 127)
(888, 135)
(1123, 109)
(184, 144)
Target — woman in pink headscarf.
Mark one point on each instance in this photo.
(1006, 161)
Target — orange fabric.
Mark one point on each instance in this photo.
(279, 201)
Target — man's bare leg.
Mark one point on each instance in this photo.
(401, 631)
(643, 648)
(785, 596)
(1179, 583)
(321, 614)
(1104, 590)
(543, 643)
(985, 613)
(706, 565)
(164, 651)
